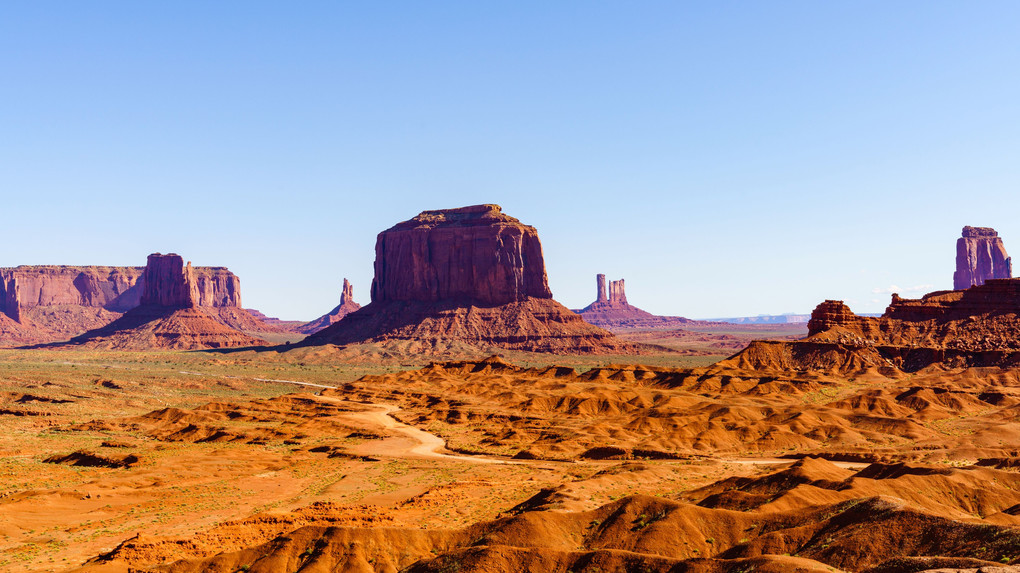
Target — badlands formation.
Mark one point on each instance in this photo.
(874, 444)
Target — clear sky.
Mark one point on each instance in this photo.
(726, 158)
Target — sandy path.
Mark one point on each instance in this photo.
(777, 461)
(416, 443)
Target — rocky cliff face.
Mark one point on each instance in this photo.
(471, 275)
(28, 287)
(116, 289)
(170, 315)
(980, 255)
(830, 314)
(169, 282)
(617, 295)
(56, 303)
(217, 287)
(600, 285)
(473, 254)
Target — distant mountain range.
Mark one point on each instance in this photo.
(788, 318)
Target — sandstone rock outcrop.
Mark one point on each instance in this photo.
(980, 255)
(473, 254)
(973, 327)
(171, 316)
(616, 292)
(614, 312)
(346, 306)
(471, 274)
(58, 302)
(169, 282)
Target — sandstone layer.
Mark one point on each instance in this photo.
(980, 255)
(614, 312)
(472, 274)
(346, 306)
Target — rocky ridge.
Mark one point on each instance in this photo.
(965, 328)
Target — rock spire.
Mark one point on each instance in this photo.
(980, 255)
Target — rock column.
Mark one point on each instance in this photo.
(169, 283)
(980, 255)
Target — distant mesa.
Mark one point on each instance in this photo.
(346, 306)
(49, 304)
(472, 274)
(170, 315)
(614, 312)
(980, 255)
(52, 303)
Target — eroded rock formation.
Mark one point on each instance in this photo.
(346, 306)
(980, 255)
(616, 293)
(58, 302)
(973, 327)
(614, 312)
(471, 274)
(169, 282)
(475, 255)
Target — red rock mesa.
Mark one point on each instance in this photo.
(170, 314)
(57, 302)
(472, 274)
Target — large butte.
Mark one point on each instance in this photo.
(472, 274)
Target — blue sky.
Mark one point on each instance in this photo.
(726, 158)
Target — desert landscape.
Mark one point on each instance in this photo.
(466, 421)
(501, 287)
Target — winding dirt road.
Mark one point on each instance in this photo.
(410, 441)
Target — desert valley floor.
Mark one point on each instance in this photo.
(363, 459)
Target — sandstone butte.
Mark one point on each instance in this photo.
(471, 274)
(170, 314)
(43, 304)
(980, 255)
(614, 312)
(948, 329)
